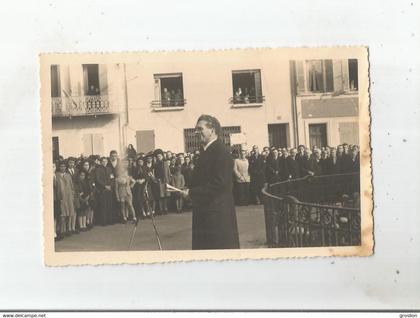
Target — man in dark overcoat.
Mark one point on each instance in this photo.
(214, 224)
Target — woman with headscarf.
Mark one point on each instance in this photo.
(139, 177)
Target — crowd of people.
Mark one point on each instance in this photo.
(99, 191)
(172, 97)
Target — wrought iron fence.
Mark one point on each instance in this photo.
(80, 105)
(313, 211)
(169, 103)
(247, 99)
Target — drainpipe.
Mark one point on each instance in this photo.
(293, 99)
(125, 125)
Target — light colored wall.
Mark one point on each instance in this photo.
(71, 131)
(207, 81)
(333, 132)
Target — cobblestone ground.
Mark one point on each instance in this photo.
(174, 231)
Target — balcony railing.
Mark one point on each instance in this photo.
(169, 103)
(313, 211)
(243, 100)
(81, 106)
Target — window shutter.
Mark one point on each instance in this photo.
(85, 80)
(300, 77)
(345, 69)
(87, 144)
(103, 80)
(98, 144)
(157, 89)
(338, 76)
(257, 79)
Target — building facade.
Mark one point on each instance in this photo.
(167, 93)
(326, 101)
(88, 111)
(155, 101)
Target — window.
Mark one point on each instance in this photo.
(95, 79)
(91, 79)
(326, 76)
(247, 87)
(318, 135)
(353, 75)
(278, 135)
(169, 90)
(192, 142)
(319, 76)
(55, 81)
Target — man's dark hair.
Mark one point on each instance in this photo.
(212, 122)
(113, 152)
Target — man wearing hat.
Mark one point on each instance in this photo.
(214, 224)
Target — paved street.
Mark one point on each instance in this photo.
(174, 231)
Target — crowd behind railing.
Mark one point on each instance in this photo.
(100, 191)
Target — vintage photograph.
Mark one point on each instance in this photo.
(233, 154)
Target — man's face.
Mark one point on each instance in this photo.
(86, 166)
(104, 162)
(293, 152)
(275, 153)
(203, 132)
(114, 156)
(285, 153)
(340, 149)
(333, 152)
(255, 149)
(159, 157)
(63, 167)
(71, 164)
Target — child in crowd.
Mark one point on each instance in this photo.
(178, 181)
(85, 192)
(123, 185)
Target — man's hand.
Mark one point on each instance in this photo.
(108, 188)
(185, 193)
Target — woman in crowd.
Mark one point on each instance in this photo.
(57, 211)
(123, 185)
(104, 197)
(148, 193)
(240, 170)
(178, 181)
(131, 152)
(66, 190)
(88, 167)
(84, 190)
(139, 177)
(162, 174)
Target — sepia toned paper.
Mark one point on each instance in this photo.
(136, 74)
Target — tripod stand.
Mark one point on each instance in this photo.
(148, 212)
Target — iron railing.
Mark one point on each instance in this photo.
(313, 211)
(169, 103)
(247, 99)
(81, 105)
